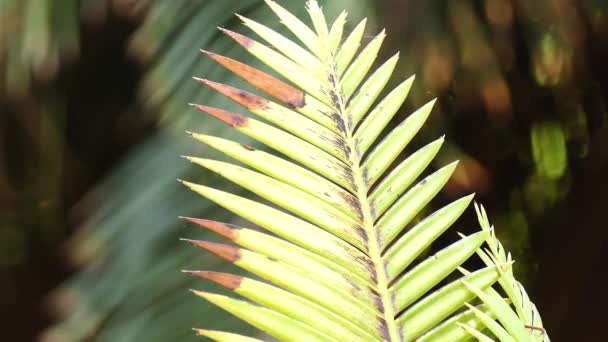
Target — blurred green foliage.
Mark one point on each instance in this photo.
(521, 85)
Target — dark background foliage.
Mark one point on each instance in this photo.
(93, 100)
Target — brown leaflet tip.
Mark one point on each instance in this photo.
(245, 42)
(210, 54)
(231, 119)
(229, 281)
(264, 82)
(245, 99)
(223, 229)
(201, 80)
(228, 253)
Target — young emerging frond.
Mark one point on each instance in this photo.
(340, 258)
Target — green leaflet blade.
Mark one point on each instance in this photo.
(450, 329)
(370, 90)
(435, 307)
(290, 49)
(276, 325)
(296, 26)
(491, 324)
(298, 283)
(318, 21)
(526, 311)
(222, 336)
(400, 178)
(506, 280)
(381, 115)
(476, 333)
(290, 228)
(290, 305)
(410, 204)
(525, 314)
(285, 118)
(336, 31)
(418, 281)
(293, 147)
(286, 172)
(383, 155)
(357, 71)
(324, 270)
(409, 246)
(503, 312)
(296, 201)
(349, 48)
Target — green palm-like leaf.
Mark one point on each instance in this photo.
(519, 319)
(337, 263)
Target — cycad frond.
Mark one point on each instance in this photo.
(338, 263)
(517, 314)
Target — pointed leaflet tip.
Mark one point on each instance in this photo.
(229, 118)
(186, 183)
(209, 53)
(245, 42)
(229, 281)
(201, 294)
(228, 253)
(226, 230)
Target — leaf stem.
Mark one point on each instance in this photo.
(385, 306)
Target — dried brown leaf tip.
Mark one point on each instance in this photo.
(229, 281)
(245, 99)
(245, 42)
(232, 119)
(261, 80)
(223, 229)
(228, 253)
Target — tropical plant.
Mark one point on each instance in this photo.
(344, 258)
(109, 298)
